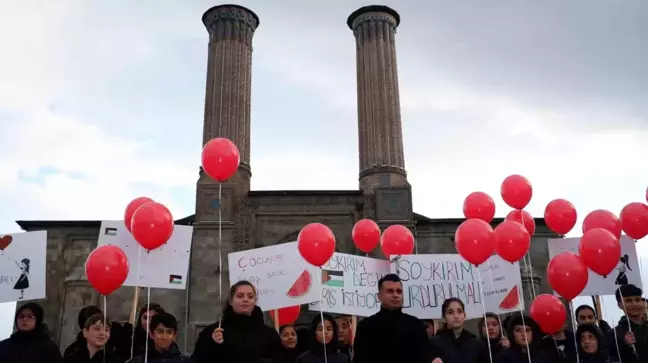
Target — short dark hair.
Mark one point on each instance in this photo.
(87, 312)
(165, 319)
(583, 307)
(390, 278)
(628, 290)
(97, 318)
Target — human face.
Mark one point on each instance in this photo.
(163, 337)
(326, 332)
(522, 335)
(96, 334)
(26, 321)
(454, 315)
(289, 337)
(146, 318)
(244, 300)
(586, 316)
(633, 306)
(429, 328)
(589, 343)
(391, 295)
(492, 327)
(344, 331)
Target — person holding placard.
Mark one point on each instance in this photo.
(526, 342)
(628, 342)
(241, 336)
(453, 343)
(390, 335)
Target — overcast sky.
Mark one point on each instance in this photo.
(102, 101)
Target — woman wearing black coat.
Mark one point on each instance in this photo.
(290, 349)
(30, 343)
(492, 335)
(526, 340)
(452, 343)
(324, 340)
(241, 336)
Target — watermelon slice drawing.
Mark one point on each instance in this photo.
(301, 286)
(511, 300)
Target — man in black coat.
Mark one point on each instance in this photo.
(628, 342)
(390, 335)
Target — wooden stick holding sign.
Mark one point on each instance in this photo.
(276, 320)
(133, 313)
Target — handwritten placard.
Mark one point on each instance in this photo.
(430, 279)
(279, 273)
(627, 270)
(350, 285)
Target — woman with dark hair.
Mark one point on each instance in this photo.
(141, 337)
(490, 332)
(452, 343)
(30, 342)
(324, 341)
(590, 344)
(241, 336)
(289, 349)
(526, 340)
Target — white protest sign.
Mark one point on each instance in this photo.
(281, 276)
(430, 279)
(627, 270)
(350, 285)
(22, 266)
(165, 267)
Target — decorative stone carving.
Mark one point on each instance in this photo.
(393, 204)
(231, 22)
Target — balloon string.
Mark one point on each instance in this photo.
(499, 321)
(634, 349)
(481, 286)
(528, 255)
(220, 247)
(616, 342)
(105, 328)
(526, 341)
(137, 286)
(641, 273)
(573, 317)
(322, 316)
(148, 307)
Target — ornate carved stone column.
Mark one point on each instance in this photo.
(379, 117)
(229, 76)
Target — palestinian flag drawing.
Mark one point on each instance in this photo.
(108, 231)
(333, 278)
(175, 279)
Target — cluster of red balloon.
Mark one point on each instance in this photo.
(476, 240)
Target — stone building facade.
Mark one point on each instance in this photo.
(254, 219)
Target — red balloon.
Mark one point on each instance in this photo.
(516, 191)
(366, 235)
(152, 225)
(316, 244)
(397, 240)
(634, 220)
(599, 250)
(549, 312)
(131, 208)
(220, 159)
(287, 315)
(106, 269)
(560, 216)
(479, 205)
(512, 241)
(475, 241)
(524, 218)
(605, 219)
(567, 275)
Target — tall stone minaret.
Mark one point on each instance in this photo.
(382, 162)
(227, 114)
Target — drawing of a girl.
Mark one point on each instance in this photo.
(622, 277)
(23, 280)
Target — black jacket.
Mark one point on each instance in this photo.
(467, 348)
(625, 352)
(601, 355)
(391, 336)
(246, 339)
(30, 347)
(173, 355)
(315, 352)
(80, 354)
(538, 352)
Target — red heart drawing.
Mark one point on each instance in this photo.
(5, 241)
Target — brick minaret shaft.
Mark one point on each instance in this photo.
(382, 162)
(229, 77)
